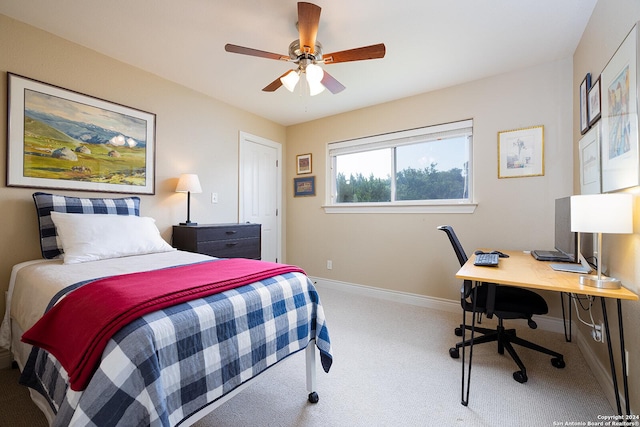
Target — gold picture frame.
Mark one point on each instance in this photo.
(305, 186)
(303, 164)
(521, 152)
(66, 140)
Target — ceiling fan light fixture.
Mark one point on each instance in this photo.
(315, 88)
(290, 80)
(314, 74)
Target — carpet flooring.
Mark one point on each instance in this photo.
(392, 368)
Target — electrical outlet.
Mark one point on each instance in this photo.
(597, 333)
(626, 359)
(329, 264)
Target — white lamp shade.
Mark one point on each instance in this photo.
(188, 182)
(314, 73)
(602, 213)
(290, 80)
(315, 88)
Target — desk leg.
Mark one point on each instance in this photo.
(623, 357)
(465, 392)
(567, 338)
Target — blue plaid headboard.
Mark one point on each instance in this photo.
(45, 203)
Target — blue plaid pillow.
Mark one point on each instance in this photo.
(45, 203)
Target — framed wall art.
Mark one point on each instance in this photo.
(594, 102)
(58, 138)
(304, 186)
(521, 152)
(619, 80)
(303, 164)
(584, 106)
(589, 147)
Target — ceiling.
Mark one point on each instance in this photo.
(431, 44)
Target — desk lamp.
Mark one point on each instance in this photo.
(188, 183)
(602, 213)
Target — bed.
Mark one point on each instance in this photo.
(170, 366)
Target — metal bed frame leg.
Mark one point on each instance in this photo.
(311, 371)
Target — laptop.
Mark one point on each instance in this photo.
(556, 256)
(572, 268)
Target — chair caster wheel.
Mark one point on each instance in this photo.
(520, 376)
(454, 353)
(458, 332)
(313, 397)
(558, 362)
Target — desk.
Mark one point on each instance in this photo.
(524, 271)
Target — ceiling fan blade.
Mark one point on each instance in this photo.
(331, 83)
(374, 51)
(254, 52)
(275, 85)
(308, 20)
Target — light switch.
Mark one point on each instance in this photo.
(214, 197)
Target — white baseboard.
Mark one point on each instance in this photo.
(546, 323)
(600, 371)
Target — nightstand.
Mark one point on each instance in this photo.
(219, 240)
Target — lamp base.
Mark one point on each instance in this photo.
(602, 282)
(189, 223)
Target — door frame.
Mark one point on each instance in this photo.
(247, 138)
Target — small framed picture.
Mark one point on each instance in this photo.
(584, 106)
(594, 102)
(304, 186)
(303, 162)
(590, 161)
(521, 152)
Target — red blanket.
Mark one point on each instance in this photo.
(77, 329)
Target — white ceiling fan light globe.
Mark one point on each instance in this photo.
(314, 73)
(290, 80)
(315, 88)
(314, 78)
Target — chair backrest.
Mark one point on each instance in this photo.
(467, 287)
(457, 247)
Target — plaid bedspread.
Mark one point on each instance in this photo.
(169, 364)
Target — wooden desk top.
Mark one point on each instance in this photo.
(523, 270)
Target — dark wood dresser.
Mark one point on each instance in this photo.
(219, 240)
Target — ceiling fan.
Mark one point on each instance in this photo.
(307, 53)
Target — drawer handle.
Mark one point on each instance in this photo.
(232, 244)
(231, 232)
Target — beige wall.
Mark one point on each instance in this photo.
(607, 28)
(400, 252)
(195, 133)
(405, 252)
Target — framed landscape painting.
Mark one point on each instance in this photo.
(58, 138)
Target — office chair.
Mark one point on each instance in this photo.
(505, 302)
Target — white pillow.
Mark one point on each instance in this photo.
(91, 237)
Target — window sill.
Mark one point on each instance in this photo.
(366, 208)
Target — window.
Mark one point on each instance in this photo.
(428, 166)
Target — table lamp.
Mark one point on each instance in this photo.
(602, 213)
(188, 183)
